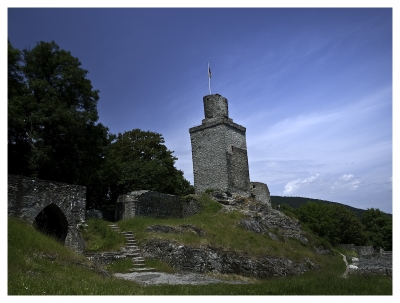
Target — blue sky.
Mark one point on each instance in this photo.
(313, 87)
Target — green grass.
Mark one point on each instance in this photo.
(221, 231)
(39, 265)
(99, 237)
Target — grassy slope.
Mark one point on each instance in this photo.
(40, 265)
(222, 231)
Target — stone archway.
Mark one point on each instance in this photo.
(52, 221)
(53, 207)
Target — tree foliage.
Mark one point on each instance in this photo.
(333, 222)
(53, 132)
(52, 116)
(379, 228)
(296, 202)
(139, 160)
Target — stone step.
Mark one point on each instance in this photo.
(139, 265)
(134, 251)
(142, 269)
(132, 255)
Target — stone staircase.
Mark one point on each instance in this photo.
(132, 250)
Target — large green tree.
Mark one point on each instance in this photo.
(18, 97)
(52, 116)
(379, 228)
(139, 160)
(335, 223)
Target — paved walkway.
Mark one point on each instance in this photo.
(154, 278)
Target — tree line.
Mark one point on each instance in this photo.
(296, 202)
(54, 133)
(337, 225)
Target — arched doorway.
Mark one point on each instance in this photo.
(52, 221)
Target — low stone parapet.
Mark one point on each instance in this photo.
(154, 204)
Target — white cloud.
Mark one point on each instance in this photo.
(347, 177)
(293, 186)
(310, 179)
(345, 183)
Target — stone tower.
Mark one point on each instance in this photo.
(219, 150)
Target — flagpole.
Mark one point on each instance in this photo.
(209, 78)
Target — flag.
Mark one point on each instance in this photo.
(209, 72)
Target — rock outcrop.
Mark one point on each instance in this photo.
(261, 217)
(211, 259)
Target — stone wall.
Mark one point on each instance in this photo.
(370, 261)
(215, 106)
(209, 158)
(54, 207)
(377, 263)
(211, 259)
(219, 150)
(261, 193)
(190, 207)
(361, 250)
(238, 167)
(154, 204)
(106, 258)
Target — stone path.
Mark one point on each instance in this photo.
(346, 272)
(133, 250)
(155, 278)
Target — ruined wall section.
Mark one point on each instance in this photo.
(361, 250)
(153, 204)
(261, 192)
(27, 197)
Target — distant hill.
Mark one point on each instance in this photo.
(295, 202)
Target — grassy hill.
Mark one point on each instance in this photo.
(39, 265)
(296, 202)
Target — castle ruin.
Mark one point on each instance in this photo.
(219, 150)
(219, 153)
